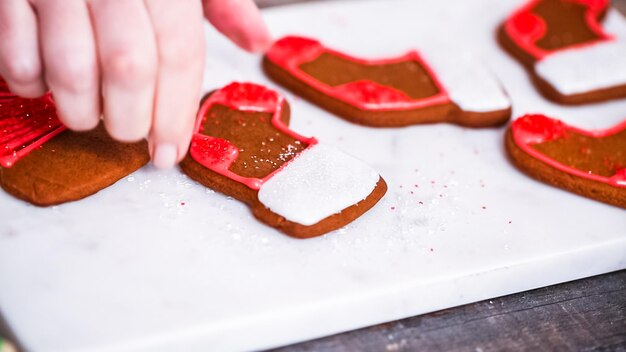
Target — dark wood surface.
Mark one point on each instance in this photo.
(583, 315)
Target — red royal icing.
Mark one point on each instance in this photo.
(290, 52)
(218, 154)
(535, 129)
(25, 124)
(525, 28)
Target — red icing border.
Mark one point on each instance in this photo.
(535, 129)
(22, 126)
(291, 51)
(218, 154)
(526, 28)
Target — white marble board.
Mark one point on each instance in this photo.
(157, 261)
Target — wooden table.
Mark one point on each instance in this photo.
(583, 315)
(588, 314)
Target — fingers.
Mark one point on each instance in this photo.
(180, 43)
(239, 20)
(128, 63)
(20, 64)
(69, 55)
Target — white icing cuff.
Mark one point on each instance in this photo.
(470, 85)
(585, 69)
(318, 183)
(614, 23)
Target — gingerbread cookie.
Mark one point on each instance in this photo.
(400, 91)
(242, 147)
(44, 164)
(569, 56)
(589, 163)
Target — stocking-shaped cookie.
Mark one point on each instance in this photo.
(400, 91)
(590, 163)
(569, 56)
(242, 147)
(44, 164)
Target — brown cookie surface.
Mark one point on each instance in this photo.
(409, 76)
(578, 161)
(72, 166)
(380, 93)
(262, 150)
(566, 24)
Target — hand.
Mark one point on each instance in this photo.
(137, 63)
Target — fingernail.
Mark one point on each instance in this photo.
(262, 42)
(6, 346)
(165, 156)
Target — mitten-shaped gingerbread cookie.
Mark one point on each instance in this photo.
(568, 54)
(399, 91)
(242, 147)
(590, 163)
(44, 164)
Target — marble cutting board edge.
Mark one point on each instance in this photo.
(157, 262)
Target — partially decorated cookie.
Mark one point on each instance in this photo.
(399, 91)
(589, 163)
(243, 147)
(43, 163)
(567, 52)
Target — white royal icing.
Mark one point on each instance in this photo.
(318, 183)
(470, 85)
(614, 24)
(585, 69)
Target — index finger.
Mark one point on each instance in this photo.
(240, 21)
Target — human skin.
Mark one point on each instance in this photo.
(137, 64)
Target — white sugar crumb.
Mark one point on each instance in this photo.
(289, 152)
(415, 215)
(320, 182)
